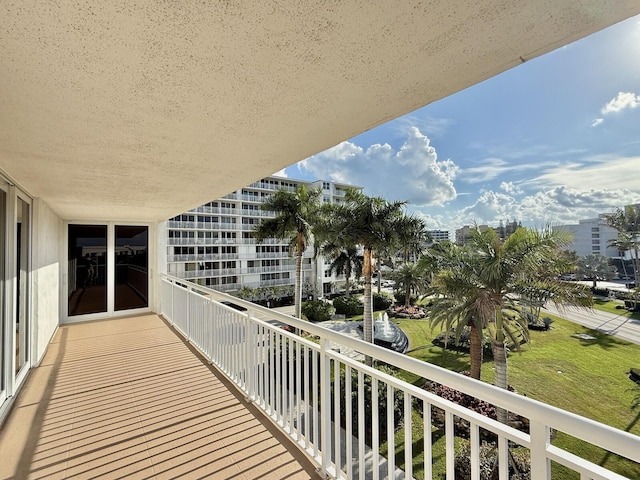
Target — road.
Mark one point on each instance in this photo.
(619, 326)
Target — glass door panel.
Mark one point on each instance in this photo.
(87, 275)
(22, 285)
(131, 267)
(4, 341)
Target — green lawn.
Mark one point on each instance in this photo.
(585, 377)
(610, 307)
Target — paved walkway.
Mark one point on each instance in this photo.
(619, 326)
(127, 398)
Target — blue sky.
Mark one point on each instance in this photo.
(554, 140)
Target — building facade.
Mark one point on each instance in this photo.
(439, 235)
(592, 236)
(213, 245)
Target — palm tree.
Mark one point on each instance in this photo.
(479, 285)
(295, 214)
(595, 267)
(412, 278)
(412, 237)
(627, 221)
(624, 243)
(345, 259)
(370, 223)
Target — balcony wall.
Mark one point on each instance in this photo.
(48, 270)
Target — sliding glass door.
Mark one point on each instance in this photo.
(108, 269)
(22, 257)
(131, 267)
(87, 259)
(15, 270)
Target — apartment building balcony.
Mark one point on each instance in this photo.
(131, 398)
(201, 257)
(207, 391)
(116, 118)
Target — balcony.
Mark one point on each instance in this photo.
(128, 397)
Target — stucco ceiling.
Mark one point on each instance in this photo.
(140, 110)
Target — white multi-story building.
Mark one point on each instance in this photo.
(592, 237)
(439, 235)
(213, 244)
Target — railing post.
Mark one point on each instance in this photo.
(188, 313)
(250, 367)
(325, 408)
(540, 439)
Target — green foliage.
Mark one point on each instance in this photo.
(317, 310)
(399, 297)
(596, 267)
(382, 301)
(519, 463)
(348, 306)
(369, 401)
(411, 279)
(589, 378)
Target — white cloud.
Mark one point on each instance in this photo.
(597, 122)
(281, 173)
(490, 168)
(623, 101)
(593, 173)
(511, 188)
(412, 173)
(554, 206)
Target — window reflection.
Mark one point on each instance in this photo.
(87, 269)
(132, 277)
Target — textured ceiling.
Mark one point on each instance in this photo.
(140, 110)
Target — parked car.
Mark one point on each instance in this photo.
(233, 305)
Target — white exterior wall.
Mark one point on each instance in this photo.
(591, 237)
(46, 274)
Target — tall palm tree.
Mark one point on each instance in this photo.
(368, 222)
(412, 278)
(627, 221)
(596, 267)
(345, 259)
(481, 283)
(412, 237)
(295, 214)
(624, 243)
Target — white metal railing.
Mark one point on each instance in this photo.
(301, 384)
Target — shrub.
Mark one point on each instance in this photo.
(382, 300)
(317, 310)
(519, 463)
(348, 306)
(398, 295)
(380, 403)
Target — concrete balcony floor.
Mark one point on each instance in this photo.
(128, 398)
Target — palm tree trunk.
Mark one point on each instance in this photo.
(636, 270)
(501, 380)
(347, 275)
(500, 363)
(475, 351)
(297, 295)
(367, 319)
